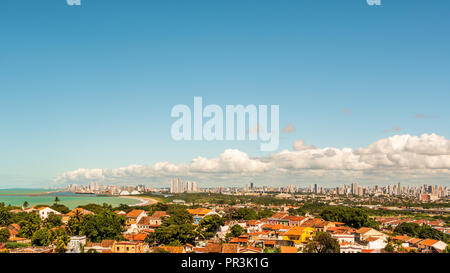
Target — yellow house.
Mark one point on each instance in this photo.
(298, 235)
(127, 247)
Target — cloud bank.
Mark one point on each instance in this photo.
(394, 158)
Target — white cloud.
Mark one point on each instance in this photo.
(395, 157)
(233, 161)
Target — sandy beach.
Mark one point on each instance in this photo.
(144, 201)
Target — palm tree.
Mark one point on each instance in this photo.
(25, 204)
(56, 200)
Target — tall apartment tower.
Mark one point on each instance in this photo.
(354, 189)
(180, 186)
(173, 186)
(176, 186)
(191, 186)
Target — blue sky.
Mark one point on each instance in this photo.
(93, 86)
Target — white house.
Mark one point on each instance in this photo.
(363, 233)
(76, 243)
(133, 218)
(375, 243)
(430, 245)
(347, 247)
(44, 212)
(344, 237)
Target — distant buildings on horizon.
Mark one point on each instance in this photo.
(423, 192)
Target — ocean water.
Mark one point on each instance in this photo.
(17, 197)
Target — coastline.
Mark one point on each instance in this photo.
(144, 201)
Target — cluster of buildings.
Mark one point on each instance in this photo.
(178, 186)
(96, 188)
(281, 232)
(393, 222)
(423, 192)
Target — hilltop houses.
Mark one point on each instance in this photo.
(199, 213)
(44, 212)
(298, 235)
(133, 217)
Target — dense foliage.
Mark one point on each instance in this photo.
(322, 243)
(424, 231)
(217, 198)
(42, 237)
(354, 217)
(209, 225)
(4, 235)
(235, 231)
(97, 227)
(175, 230)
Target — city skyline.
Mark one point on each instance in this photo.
(362, 91)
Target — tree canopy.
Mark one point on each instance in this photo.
(4, 235)
(176, 229)
(208, 226)
(354, 217)
(424, 231)
(42, 237)
(322, 243)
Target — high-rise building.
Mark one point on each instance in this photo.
(176, 186)
(354, 189)
(191, 186)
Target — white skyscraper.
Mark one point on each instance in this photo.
(176, 186)
(191, 186)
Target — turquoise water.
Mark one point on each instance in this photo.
(17, 197)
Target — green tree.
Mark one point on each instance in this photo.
(176, 228)
(4, 235)
(447, 249)
(354, 217)
(322, 243)
(245, 214)
(25, 204)
(95, 208)
(425, 231)
(266, 213)
(236, 231)
(297, 212)
(52, 221)
(389, 248)
(60, 208)
(98, 227)
(28, 222)
(208, 226)
(62, 239)
(56, 200)
(42, 237)
(74, 224)
(5, 216)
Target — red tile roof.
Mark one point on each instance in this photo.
(288, 249)
(134, 213)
